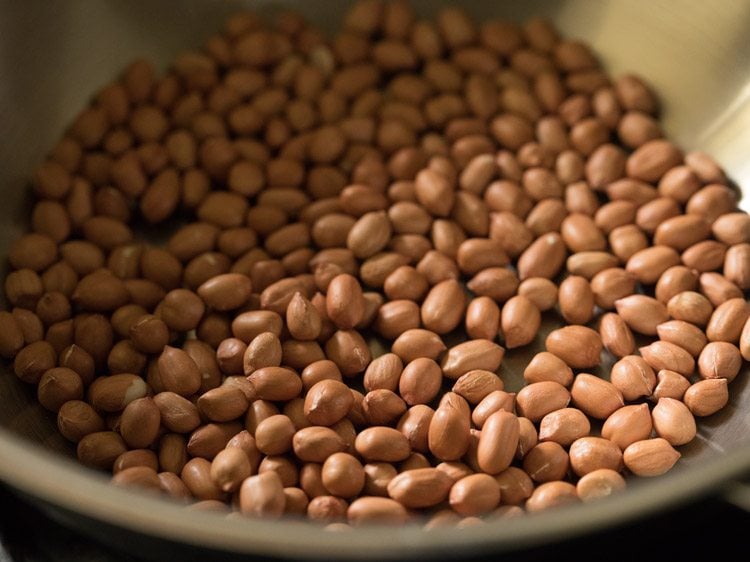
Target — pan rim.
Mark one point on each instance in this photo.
(62, 483)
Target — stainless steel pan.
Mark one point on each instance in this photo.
(54, 55)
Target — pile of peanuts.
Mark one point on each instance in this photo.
(434, 185)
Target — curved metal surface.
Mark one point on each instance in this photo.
(54, 55)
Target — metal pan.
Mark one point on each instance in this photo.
(53, 55)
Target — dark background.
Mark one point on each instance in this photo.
(706, 530)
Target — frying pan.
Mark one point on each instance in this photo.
(53, 55)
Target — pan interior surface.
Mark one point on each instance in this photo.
(53, 56)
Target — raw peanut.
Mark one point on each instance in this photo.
(226, 292)
(138, 476)
(274, 435)
(100, 449)
(515, 486)
(149, 334)
(276, 383)
(377, 476)
(482, 318)
(564, 426)
(717, 288)
(443, 307)
(578, 346)
(551, 495)
(528, 437)
(415, 343)
(652, 160)
(581, 234)
(100, 291)
(316, 444)
(476, 494)
(344, 301)
(374, 510)
(493, 402)
(76, 419)
(670, 385)
(434, 192)
(732, 228)
(616, 336)
(707, 396)
(600, 483)
(382, 407)
(223, 404)
(542, 292)
(262, 495)
(471, 355)
(626, 241)
(651, 214)
(689, 337)
(594, 396)
(115, 392)
(691, 307)
(499, 284)
(588, 454)
(383, 372)
(414, 424)
(302, 318)
(510, 231)
(546, 216)
(536, 400)
(181, 310)
(745, 341)
(642, 313)
(737, 265)
(475, 385)
(264, 350)
(276, 297)
(674, 281)
(543, 258)
(396, 317)
(349, 351)
(498, 442)
(382, 444)
(520, 321)
(589, 263)
(712, 201)
(448, 435)
(727, 321)
(633, 377)
(140, 423)
(682, 231)
(178, 414)
(673, 421)
(476, 254)
(576, 300)
(627, 425)
(719, 360)
(650, 457)
(343, 475)
(136, 457)
(369, 235)
(248, 325)
(648, 264)
(704, 256)
(419, 488)
(406, 283)
(615, 214)
(230, 468)
(57, 386)
(664, 355)
(206, 441)
(178, 372)
(548, 367)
